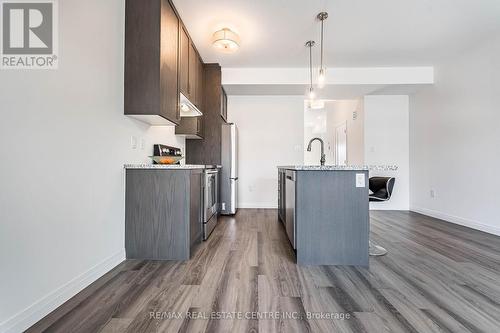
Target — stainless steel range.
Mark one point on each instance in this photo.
(210, 201)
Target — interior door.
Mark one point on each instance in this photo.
(341, 144)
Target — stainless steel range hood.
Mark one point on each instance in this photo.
(188, 109)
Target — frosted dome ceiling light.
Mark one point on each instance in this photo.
(226, 40)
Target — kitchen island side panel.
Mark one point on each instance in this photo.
(332, 218)
(156, 214)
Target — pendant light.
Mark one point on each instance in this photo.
(322, 72)
(310, 45)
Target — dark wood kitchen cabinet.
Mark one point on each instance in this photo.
(190, 70)
(190, 127)
(163, 213)
(193, 75)
(208, 150)
(200, 83)
(151, 88)
(184, 45)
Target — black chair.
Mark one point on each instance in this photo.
(381, 188)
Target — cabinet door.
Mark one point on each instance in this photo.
(195, 209)
(184, 61)
(199, 86)
(169, 58)
(193, 75)
(199, 126)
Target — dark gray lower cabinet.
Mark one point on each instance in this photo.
(163, 210)
(281, 195)
(196, 207)
(290, 207)
(327, 217)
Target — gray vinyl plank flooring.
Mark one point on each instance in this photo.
(437, 277)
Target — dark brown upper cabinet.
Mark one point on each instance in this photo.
(151, 62)
(200, 86)
(193, 75)
(184, 46)
(190, 127)
(190, 70)
(223, 104)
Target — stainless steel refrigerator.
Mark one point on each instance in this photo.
(229, 175)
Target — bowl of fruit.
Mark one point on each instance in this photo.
(172, 159)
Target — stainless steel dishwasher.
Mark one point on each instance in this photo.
(290, 206)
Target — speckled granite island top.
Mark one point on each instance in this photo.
(169, 166)
(339, 167)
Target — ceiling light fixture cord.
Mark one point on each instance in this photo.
(310, 44)
(321, 78)
(321, 44)
(311, 66)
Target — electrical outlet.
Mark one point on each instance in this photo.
(360, 180)
(432, 193)
(133, 142)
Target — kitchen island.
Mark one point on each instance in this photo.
(325, 212)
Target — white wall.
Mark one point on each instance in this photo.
(342, 111)
(455, 140)
(64, 140)
(321, 123)
(387, 142)
(270, 133)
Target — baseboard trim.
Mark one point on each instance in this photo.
(457, 220)
(258, 205)
(32, 314)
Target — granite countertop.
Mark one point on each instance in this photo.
(340, 167)
(170, 166)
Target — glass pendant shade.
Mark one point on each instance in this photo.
(226, 40)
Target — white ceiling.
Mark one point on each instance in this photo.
(358, 32)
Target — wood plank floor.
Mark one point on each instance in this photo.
(437, 277)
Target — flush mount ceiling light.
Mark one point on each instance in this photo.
(310, 45)
(321, 78)
(226, 40)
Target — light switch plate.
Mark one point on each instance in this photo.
(133, 142)
(360, 180)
